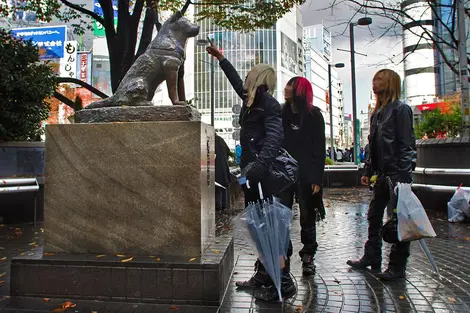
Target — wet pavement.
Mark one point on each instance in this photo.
(335, 287)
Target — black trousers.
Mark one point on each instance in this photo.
(308, 232)
(373, 247)
(221, 196)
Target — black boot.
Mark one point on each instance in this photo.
(260, 278)
(392, 273)
(363, 263)
(308, 265)
(270, 294)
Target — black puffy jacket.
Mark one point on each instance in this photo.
(392, 143)
(261, 130)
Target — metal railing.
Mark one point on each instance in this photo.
(442, 171)
(437, 188)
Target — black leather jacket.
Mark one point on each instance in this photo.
(392, 143)
(261, 130)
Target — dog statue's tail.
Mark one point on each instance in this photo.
(108, 102)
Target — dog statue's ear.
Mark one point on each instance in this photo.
(176, 16)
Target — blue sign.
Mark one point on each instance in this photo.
(50, 40)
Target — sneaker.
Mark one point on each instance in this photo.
(392, 273)
(270, 294)
(308, 266)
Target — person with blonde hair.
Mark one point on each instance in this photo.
(392, 157)
(261, 138)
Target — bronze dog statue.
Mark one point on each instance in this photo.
(163, 60)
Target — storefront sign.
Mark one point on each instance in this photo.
(68, 65)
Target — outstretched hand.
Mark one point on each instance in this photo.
(214, 51)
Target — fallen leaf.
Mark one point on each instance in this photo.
(2, 274)
(120, 255)
(46, 299)
(94, 311)
(3, 259)
(467, 238)
(299, 309)
(127, 260)
(452, 299)
(215, 251)
(192, 259)
(157, 259)
(58, 310)
(2, 282)
(173, 307)
(101, 255)
(460, 247)
(42, 230)
(68, 305)
(32, 243)
(402, 297)
(49, 254)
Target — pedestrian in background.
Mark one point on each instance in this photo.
(304, 139)
(222, 173)
(261, 136)
(392, 154)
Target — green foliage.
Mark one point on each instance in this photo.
(239, 15)
(25, 83)
(329, 161)
(435, 122)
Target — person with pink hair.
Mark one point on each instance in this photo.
(304, 139)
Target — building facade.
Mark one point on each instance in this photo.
(280, 46)
(421, 71)
(317, 47)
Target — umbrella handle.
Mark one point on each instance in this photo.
(260, 189)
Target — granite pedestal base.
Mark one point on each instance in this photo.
(143, 188)
(144, 279)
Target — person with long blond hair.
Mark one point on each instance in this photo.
(261, 137)
(392, 155)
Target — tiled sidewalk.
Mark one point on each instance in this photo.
(335, 288)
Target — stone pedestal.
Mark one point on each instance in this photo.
(129, 211)
(130, 188)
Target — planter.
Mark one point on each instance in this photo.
(442, 165)
(22, 159)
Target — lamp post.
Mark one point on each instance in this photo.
(330, 96)
(205, 42)
(361, 22)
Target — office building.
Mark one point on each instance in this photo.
(317, 48)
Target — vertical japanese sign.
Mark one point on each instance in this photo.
(50, 40)
(68, 65)
(84, 68)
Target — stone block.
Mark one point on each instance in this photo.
(138, 114)
(142, 280)
(130, 188)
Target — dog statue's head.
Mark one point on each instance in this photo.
(180, 25)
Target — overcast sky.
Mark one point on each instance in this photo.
(385, 52)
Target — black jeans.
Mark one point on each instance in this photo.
(308, 232)
(373, 247)
(221, 198)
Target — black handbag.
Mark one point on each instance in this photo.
(282, 173)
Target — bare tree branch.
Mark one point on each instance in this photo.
(185, 7)
(80, 9)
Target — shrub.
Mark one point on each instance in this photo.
(25, 84)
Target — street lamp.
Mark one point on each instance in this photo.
(332, 141)
(361, 22)
(205, 43)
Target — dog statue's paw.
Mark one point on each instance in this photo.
(179, 103)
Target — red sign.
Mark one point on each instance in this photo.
(433, 106)
(83, 67)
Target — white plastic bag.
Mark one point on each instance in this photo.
(413, 222)
(458, 207)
